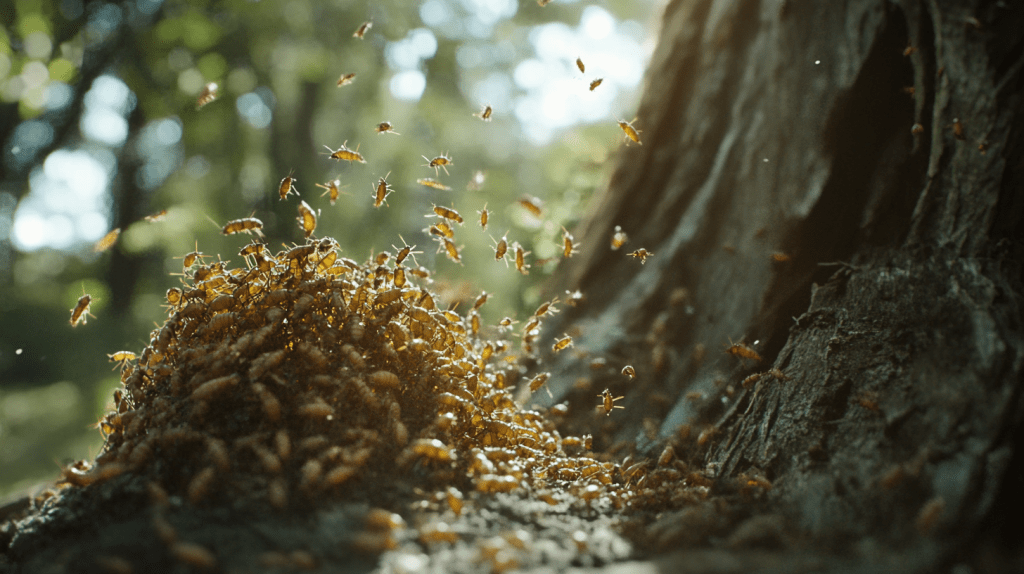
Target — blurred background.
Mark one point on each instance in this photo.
(99, 128)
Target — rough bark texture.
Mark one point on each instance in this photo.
(786, 127)
(780, 127)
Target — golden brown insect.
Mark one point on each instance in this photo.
(641, 254)
(501, 248)
(332, 187)
(78, 314)
(433, 183)
(107, 241)
(569, 248)
(450, 249)
(306, 219)
(532, 204)
(363, 29)
(742, 351)
(547, 308)
(442, 161)
(485, 114)
(206, 96)
(447, 213)
(619, 238)
(666, 456)
(386, 127)
(122, 357)
(521, 264)
(343, 153)
(507, 322)
(244, 225)
(579, 64)
(441, 229)
(631, 132)
(538, 381)
(381, 191)
(153, 218)
(346, 79)
(608, 402)
(917, 129)
(561, 344)
(484, 216)
(629, 371)
(750, 380)
(958, 129)
(405, 252)
(287, 186)
(595, 84)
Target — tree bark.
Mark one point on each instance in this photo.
(842, 185)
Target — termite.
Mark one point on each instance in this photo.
(441, 229)
(442, 161)
(244, 225)
(501, 248)
(433, 183)
(546, 308)
(608, 402)
(641, 254)
(521, 265)
(531, 204)
(208, 94)
(381, 191)
(484, 216)
(629, 371)
(332, 187)
(122, 357)
(538, 381)
(306, 219)
(485, 114)
(579, 64)
(569, 248)
(346, 79)
(595, 84)
(447, 213)
(385, 127)
(78, 314)
(450, 249)
(287, 186)
(561, 344)
(742, 351)
(107, 241)
(363, 29)
(619, 238)
(343, 153)
(631, 132)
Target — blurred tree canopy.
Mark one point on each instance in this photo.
(99, 127)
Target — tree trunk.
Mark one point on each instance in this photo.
(841, 185)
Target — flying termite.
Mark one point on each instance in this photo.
(121, 357)
(631, 132)
(595, 84)
(433, 183)
(78, 314)
(579, 64)
(386, 127)
(363, 29)
(484, 114)
(442, 161)
(107, 241)
(608, 402)
(406, 251)
(244, 225)
(332, 187)
(208, 94)
(532, 204)
(641, 254)
(306, 219)
(381, 191)
(287, 186)
(343, 153)
(484, 215)
(346, 79)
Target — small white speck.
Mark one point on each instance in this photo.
(18, 352)
(766, 160)
(816, 62)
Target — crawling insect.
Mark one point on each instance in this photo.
(547, 308)
(742, 351)
(595, 84)
(562, 344)
(442, 161)
(485, 114)
(521, 265)
(306, 219)
(122, 357)
(447, 213)
(501, 248)
(441, 229)
(608, 402)
(484, 216)
(332, 187)
(244, 225)
(343, 153)
(363, 29)
(433, 183)
(385, 127)
(107, 241)
(569, 247)
(450, 249)
(619, 238)
(78, 314)
(346, 79)
(631, 132)
(381, 191)
(208, 94)
(405, 252)
(531, 204)
(780, 257)
(641, 254)
(629, 371)
(287, 186)
(579, 64)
